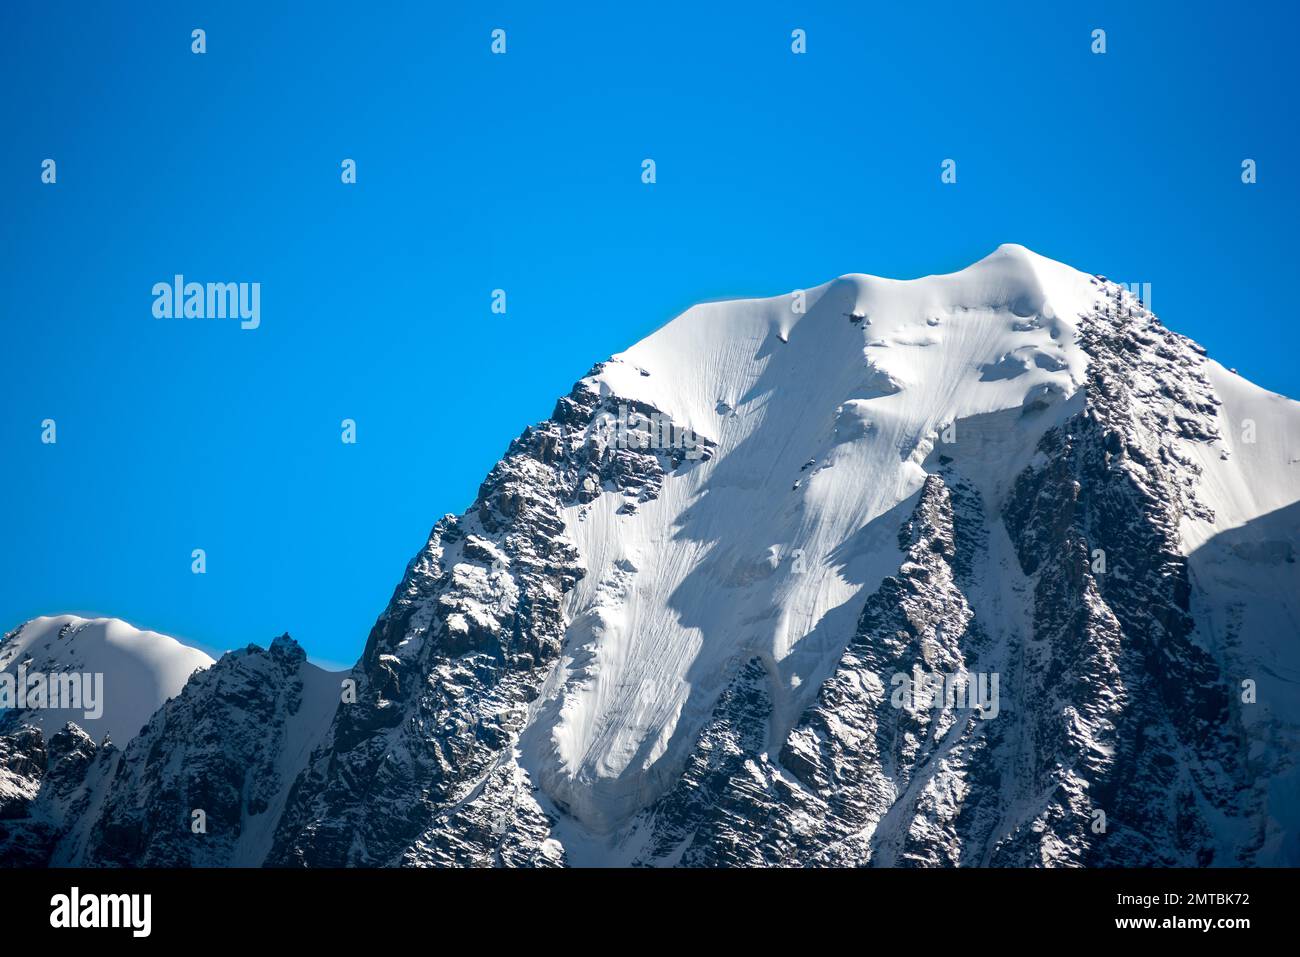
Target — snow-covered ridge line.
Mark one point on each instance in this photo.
(140, 670)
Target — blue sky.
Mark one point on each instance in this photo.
(522, 172)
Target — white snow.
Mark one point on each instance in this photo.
(681, 592)
(1260, 432)
(141, 670)
(1245, 568)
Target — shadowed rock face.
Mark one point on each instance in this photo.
(1117, 737)
(45, 787)
(1137, 708)
(223, 747)
(211, 763)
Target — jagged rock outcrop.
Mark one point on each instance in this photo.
(419, 770)
(47, 789)
(1139, 708)
(201, 785)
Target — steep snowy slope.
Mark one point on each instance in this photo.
(1245, 568)
(140, 670)
(823, 421)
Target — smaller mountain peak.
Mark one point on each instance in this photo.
(121, 674)
(1015, 249)
(1012, 258)
(286, 647)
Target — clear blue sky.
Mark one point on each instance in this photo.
(522, 172)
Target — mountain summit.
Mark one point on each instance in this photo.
(988, 568)
(139, 670)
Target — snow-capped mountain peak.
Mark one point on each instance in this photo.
(662, 651)
(138, 671)
(670, 629)
(823, 420)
